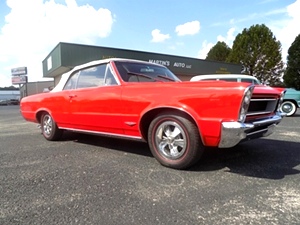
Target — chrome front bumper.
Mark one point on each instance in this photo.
(233, 133)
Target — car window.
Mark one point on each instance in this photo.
(228, 79)
(248, 80)
(71, 83)
(144, 72)
(94, 76)
(210, 79)
(109, 78)
(91, 77)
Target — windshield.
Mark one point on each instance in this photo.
(144, 72)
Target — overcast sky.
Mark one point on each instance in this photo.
(30, 29)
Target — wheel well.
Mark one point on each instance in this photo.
(39, 115)
(291, 100)
(149, 116)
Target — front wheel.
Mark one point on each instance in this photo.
(49, 128)
(174, 141)
(288, 107)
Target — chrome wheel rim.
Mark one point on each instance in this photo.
(47, 125)
(171, 140)
(287, 108)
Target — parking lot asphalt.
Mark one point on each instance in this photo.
(86, 179)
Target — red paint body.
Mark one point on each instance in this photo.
(120, 109)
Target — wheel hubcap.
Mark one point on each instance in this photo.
(47, 125)
(287, 108)
(170, 140)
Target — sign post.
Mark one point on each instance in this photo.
(19, 76)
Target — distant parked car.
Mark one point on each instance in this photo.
(144, 101)
(4, 102)
(291, 102)
(14, 102)
(227, 77)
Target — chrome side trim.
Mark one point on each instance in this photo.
(259, 113)
(275, 119)
(131, 124)
(102, 133)
(262, 99)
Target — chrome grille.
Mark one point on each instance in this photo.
(262, 105)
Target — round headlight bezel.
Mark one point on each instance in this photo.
(245, 103)
(280, 100)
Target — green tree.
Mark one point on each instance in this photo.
(292, 73)
(259, 52)
(219, 52)
(10, 88)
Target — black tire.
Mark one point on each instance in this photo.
(49, 128)
(288, 107)
(174, 141)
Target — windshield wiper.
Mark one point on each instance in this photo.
(165, 77)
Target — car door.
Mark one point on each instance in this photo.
(95, 103)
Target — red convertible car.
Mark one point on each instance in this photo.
(145, 101)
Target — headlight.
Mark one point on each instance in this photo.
(245, 103)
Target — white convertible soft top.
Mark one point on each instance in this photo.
(65, 76)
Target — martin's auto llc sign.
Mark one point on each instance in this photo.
(19, 75)
(19, 71)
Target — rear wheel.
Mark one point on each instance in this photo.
(289, 108)
(49, 128)
(174, 141)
